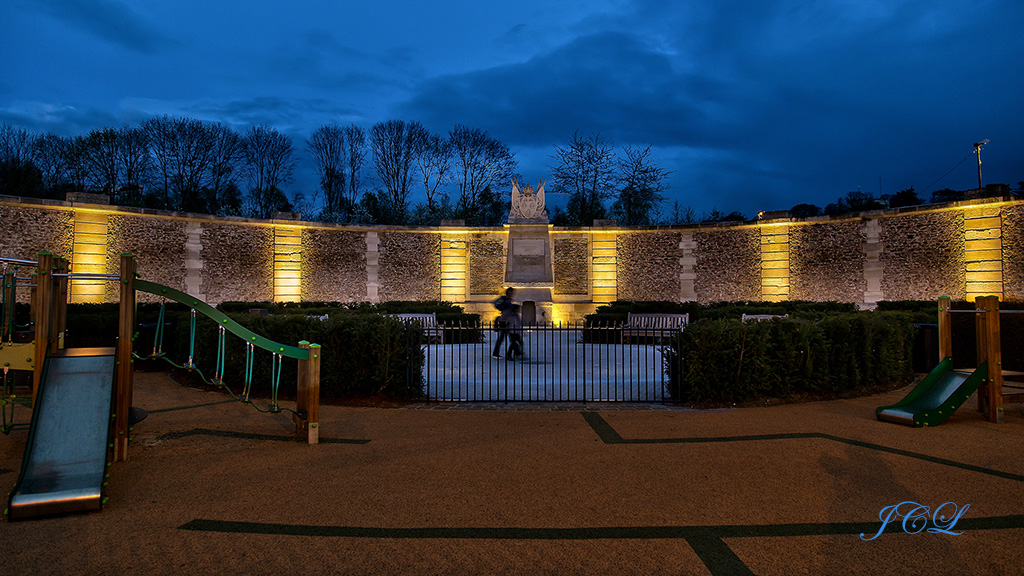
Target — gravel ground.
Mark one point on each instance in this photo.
(216, 487)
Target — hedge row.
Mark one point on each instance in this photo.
(726, 360)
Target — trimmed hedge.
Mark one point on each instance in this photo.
(726, 360)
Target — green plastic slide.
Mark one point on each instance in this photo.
(935, 398)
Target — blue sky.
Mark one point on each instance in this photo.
(753, 105)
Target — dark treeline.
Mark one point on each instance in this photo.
(363, 177)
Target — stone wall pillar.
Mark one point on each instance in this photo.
(194, 260)
(873, 266)
(688, 264)
(372, 266)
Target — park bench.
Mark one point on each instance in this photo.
(652, 325)
(760, 317)
(428, 322)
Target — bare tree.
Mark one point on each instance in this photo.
(434, 159)
(479, 161)
(327, 146)
(222, 194)
(586, 173)
(393, 145)
(355, 155)
(183, 152)
(162, 136)
(18, 174)
(102, 152)
(269, 163)
(642, 181)
(133, 156)
(53, 156)
(15, 144)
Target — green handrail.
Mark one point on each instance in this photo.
(222, 319)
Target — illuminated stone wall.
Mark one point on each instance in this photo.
(827, 262)
(486, 264)
(923, 255)
(570, 257)
(1013, 252)
(728, 265)
(161, 240)
(409, 266)
(648, 265)
(33, 227)
(333, 265)
(960, 250)
(238, 262)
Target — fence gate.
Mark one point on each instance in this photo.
(561, 364)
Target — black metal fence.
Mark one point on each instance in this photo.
(559, 363)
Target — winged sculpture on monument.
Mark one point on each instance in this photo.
(527, 204)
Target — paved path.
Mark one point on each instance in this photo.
(215, 487)
(558, 367)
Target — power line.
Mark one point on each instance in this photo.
(929, 187)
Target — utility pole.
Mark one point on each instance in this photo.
(977, 150)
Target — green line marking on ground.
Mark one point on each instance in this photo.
(609, 435)
(176, 408)
(250, 436)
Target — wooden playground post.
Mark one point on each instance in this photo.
(990, 393)
(307, 396)
(8, 330)
(123, 358)
(42, 309)
(60, 303)
(945, 329)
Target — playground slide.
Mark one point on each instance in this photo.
(936, 398)
(66, 455)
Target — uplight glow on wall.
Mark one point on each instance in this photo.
(89, 255)
(602, 266)
(983, 251)
(453, 267)
(774, 262)
(287, 263)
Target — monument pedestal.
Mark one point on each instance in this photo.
(528, 268)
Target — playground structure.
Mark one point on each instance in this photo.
(81, 399)
(946, 388)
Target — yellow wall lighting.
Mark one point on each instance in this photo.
(775, 263)
(602, 266)
(89, 256)
(453, 267)
(983, 251)
(287, 264)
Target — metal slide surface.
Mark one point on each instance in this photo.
(935, 398)
(66, 455)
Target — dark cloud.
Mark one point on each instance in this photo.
(766, 105)
(110, 20)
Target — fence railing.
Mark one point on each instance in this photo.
(560, 363)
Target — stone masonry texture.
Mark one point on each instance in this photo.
(410, 266)
(826, 262)
(647, 265)
(923, 256)
(728, 264)
(158, 245)
(238, 262)
(486, 264)
(570, 259)
(1013, 252)
(31, 230)
(333, 265)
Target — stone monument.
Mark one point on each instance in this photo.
(528, 266)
